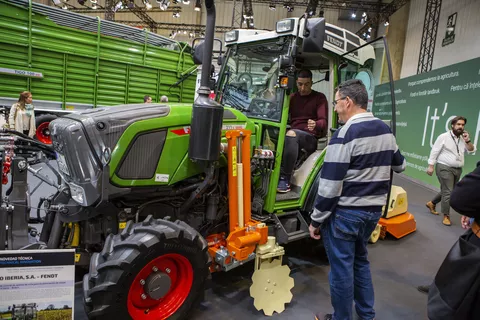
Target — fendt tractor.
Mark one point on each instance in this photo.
(154, 198)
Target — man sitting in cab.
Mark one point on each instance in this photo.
(308, 122)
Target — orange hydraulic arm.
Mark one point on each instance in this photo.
(245, 233)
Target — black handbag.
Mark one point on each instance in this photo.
(455, 293)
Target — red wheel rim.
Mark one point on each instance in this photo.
(43, 133)
(180, 272)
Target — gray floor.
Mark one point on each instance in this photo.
(398, 266)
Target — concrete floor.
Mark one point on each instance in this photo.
(398, 266)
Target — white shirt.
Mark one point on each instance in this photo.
(449, 150)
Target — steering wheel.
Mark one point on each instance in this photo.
(247, 78)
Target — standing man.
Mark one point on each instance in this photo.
(308, 121)
(353, 187)
(448, 153)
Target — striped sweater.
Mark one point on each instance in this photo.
(356, 169)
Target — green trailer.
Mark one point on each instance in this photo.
(72, 62)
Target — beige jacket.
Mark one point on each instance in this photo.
(17, 118)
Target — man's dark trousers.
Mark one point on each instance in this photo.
(293, 145)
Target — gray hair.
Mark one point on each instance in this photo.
(164, 99)
(356, 91)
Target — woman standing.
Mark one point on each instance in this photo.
(22, 115)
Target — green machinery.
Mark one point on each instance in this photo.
(156, 197)
(72, 62)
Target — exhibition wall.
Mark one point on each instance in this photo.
(426, 103)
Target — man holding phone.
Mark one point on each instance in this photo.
(448, 158)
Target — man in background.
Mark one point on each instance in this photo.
(448, 157)
(147, 99)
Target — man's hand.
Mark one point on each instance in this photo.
(314, 232)
(465, 222)
(465, 136)
(430, 170)
(311, 124)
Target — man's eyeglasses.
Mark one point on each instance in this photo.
(336, 101)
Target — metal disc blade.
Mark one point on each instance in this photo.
(271, 287)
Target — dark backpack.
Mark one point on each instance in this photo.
(455, 293)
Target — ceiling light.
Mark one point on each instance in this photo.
(94, 7)
(364, 14)
(387, 23)
(186, 1)
(198, 5)
(93, 1)
(272, 7)
(65, 7)
(354, 15)
(148, 5)
(176, 15)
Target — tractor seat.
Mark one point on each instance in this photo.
(304, 154)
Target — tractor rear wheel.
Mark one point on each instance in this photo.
(42, 132)
(152, 270)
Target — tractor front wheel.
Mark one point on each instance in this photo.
(152, 270)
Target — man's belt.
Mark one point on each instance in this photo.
(476, 229)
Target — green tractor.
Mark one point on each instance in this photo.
(154, 199)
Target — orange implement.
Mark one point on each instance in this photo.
(245, 234)
(400, 225)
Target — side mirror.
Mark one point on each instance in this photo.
(313, 35)
(286, 62)
(198, 53)
(327, 76)
(220, 60)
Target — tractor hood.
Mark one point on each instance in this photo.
(86, 141)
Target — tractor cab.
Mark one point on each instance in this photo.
(258, 75)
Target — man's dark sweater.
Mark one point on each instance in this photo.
(313, 106)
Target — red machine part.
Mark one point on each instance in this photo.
(7, 163)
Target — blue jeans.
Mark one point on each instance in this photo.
(345, 236)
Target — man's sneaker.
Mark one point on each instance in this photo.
(321, 316)
(283, 185)
(431, 206)
(446, 221)
(423, 289)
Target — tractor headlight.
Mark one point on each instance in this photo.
(77, 193)
(285, 25)
(231, 36)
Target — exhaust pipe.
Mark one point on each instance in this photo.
(207, 114)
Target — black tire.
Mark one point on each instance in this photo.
(47, 117)
(113, 270)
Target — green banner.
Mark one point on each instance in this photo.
(426, 104)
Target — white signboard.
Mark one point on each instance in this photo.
(37, 284)
(19, 72)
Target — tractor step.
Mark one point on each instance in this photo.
(290, 226)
